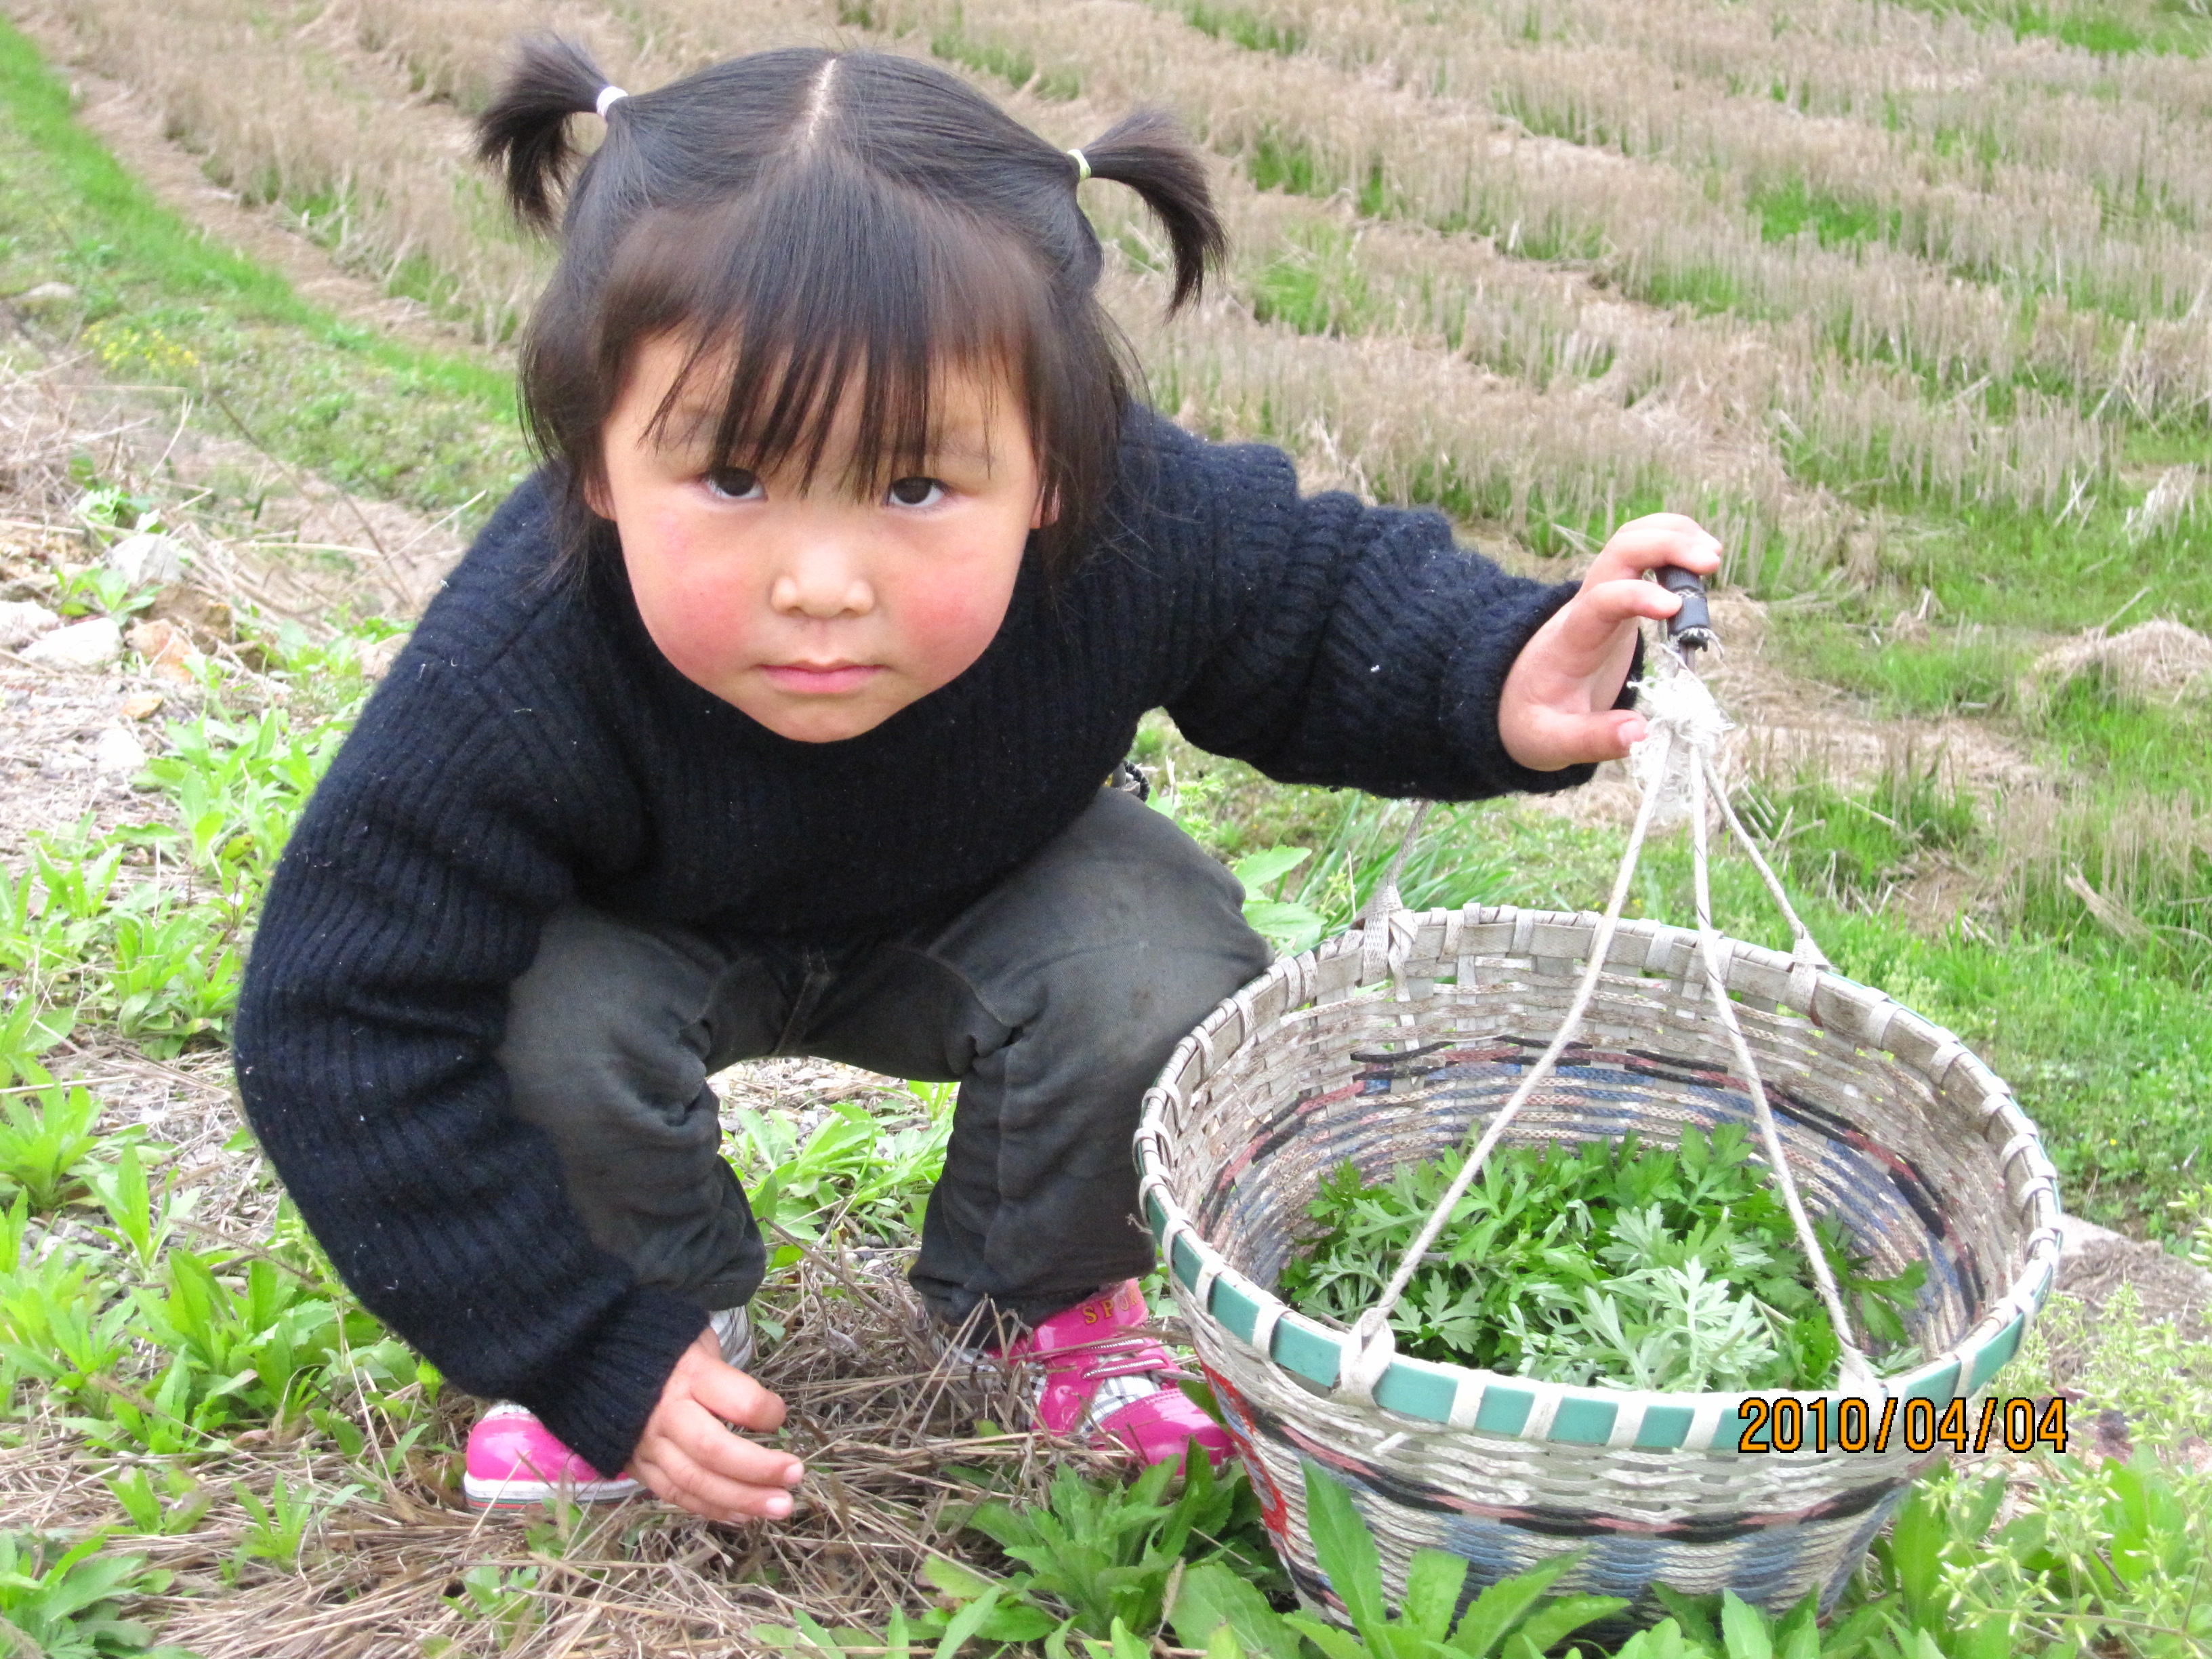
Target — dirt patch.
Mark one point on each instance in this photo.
(2095, 1261)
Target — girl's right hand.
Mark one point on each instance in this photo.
(687, 1455)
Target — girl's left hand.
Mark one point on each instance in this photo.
(1557, 707)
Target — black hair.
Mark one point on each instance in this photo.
(800, 217)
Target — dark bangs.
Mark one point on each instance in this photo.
(828, 284)
(821, 228)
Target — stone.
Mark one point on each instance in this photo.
(147, 559)
(47, 293)
(23, 621)
(167, 649)
(141, 705)
(92, 644)
(115, 750)
(207, 618)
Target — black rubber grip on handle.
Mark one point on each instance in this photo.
(1691, 627)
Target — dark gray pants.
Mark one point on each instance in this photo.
(1054, 1001)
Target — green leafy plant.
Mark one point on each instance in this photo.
(142, 1220)
(249, 1346)
(176, 1507)
(1515, 1617)
(46, 1138)
(95, 587)
(64, 1603)
(503, 1598)
(278, 1527)
(1287, 925)
(1105, 1552)
(848, 1170)
(1667, 1269)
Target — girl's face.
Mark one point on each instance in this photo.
(819, 615)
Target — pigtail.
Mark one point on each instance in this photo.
(1149, 152)
(524, 132)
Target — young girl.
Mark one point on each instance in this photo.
(773, 716)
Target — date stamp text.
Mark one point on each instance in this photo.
(1789, 1424)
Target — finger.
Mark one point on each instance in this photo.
(1589, 624)
(1662, 538)
(706, 1440)
(680, 1480)
(1558, 740)
(731, 1394)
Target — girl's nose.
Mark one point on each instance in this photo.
(822, 586)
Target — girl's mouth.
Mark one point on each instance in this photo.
(819, 679)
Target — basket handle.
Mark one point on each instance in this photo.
(1684, 724)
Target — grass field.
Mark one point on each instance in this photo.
(1910, 302)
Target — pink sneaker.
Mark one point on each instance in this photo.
(1116, 1388)
(514, 1462)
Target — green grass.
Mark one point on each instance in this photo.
(1953, 671)
(1009, 63)
(160, 304)
(1793, 207)
(2024, 571)
(2088, 728)
(2107, 29)
(1254, 30)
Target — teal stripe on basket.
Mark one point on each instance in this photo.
(1312, 1353)
(1665, 1425)
(1156, 1215)
(1183, 1261)
(1729, 1432)
(1236, 1310)
(1505, 1409)
(1584, 1422)
(1940, 1385)
(1999, 1349)
(1418, 1390)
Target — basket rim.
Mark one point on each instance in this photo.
(1427, 1396)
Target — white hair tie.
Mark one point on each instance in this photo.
(609, 97)
(1082, 164)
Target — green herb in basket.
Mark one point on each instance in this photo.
(1671, 1270)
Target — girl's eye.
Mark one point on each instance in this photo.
(916, 492)
(734, 484)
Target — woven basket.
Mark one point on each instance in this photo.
(1332, 1057)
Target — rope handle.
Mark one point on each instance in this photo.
(1686, 724)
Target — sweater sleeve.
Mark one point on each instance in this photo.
(410, 897)
(1346, 644)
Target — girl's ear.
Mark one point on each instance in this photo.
(595, 494)
(1047, 510)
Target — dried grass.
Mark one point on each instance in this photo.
(2158, 661)
(883, 1422)
(1450, 161)
(364, 85)
(378, 175)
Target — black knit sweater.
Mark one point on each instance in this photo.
(530, 746)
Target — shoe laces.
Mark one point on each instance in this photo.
(1110, 1357)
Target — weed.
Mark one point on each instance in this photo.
(504, 1599)
(47, 1136)
(279, 1528)
(65, 1603)
(848, 1171)
(142, 1220)
(176, 1508)
(1108, 1554)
